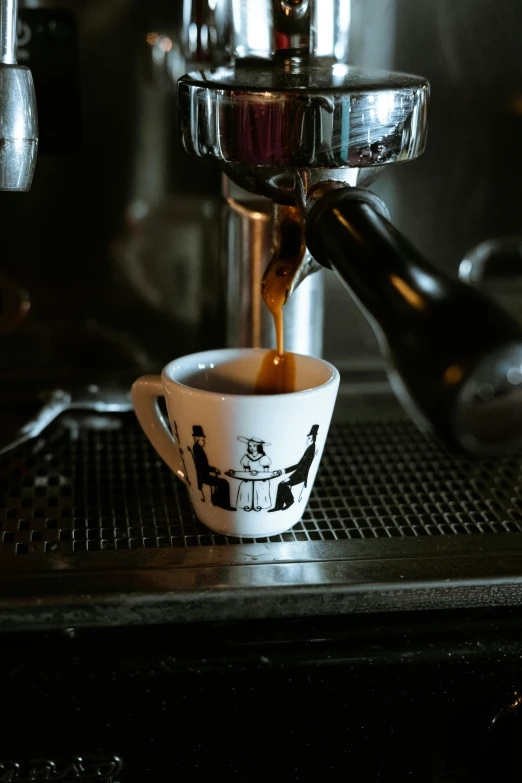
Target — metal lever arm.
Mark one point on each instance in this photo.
(454, 357)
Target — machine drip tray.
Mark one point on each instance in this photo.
(95, 530)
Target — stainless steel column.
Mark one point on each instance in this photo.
(18, 121)
(247, 248)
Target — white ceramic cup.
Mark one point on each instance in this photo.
(249, 461)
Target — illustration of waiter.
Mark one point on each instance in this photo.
(299, 472)
(207, 474)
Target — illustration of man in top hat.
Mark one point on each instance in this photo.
(207, 474)
(299, 472)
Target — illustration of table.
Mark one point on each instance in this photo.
(253, 476)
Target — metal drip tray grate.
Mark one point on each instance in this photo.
(98, 485)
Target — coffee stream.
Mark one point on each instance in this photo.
(277, 372)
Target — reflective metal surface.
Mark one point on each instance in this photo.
(247, 247)
(18, 118)
(207, 31)
(18, 128)
(108, 399)
(304, 313)
(264, 27)
(260, 122)
(215, 31)
(495, 268)
(130, 588)
(488, 413)
(8, 20)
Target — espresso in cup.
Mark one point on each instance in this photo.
(248, 459)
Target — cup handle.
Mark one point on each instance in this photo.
(145, 393)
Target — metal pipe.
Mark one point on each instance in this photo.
(18, 116)
(8, 24)
(247, 248)
(214, 31)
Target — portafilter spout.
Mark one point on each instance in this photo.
(18, 116)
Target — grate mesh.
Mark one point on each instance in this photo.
(101, 486)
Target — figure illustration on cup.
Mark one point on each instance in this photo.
(299, 473)
(254, 490)
(206, 474)
(276, 463)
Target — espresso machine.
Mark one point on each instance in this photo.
(289, 120)
(380, 634)
(296, 131)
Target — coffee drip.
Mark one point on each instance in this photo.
(277, 373)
